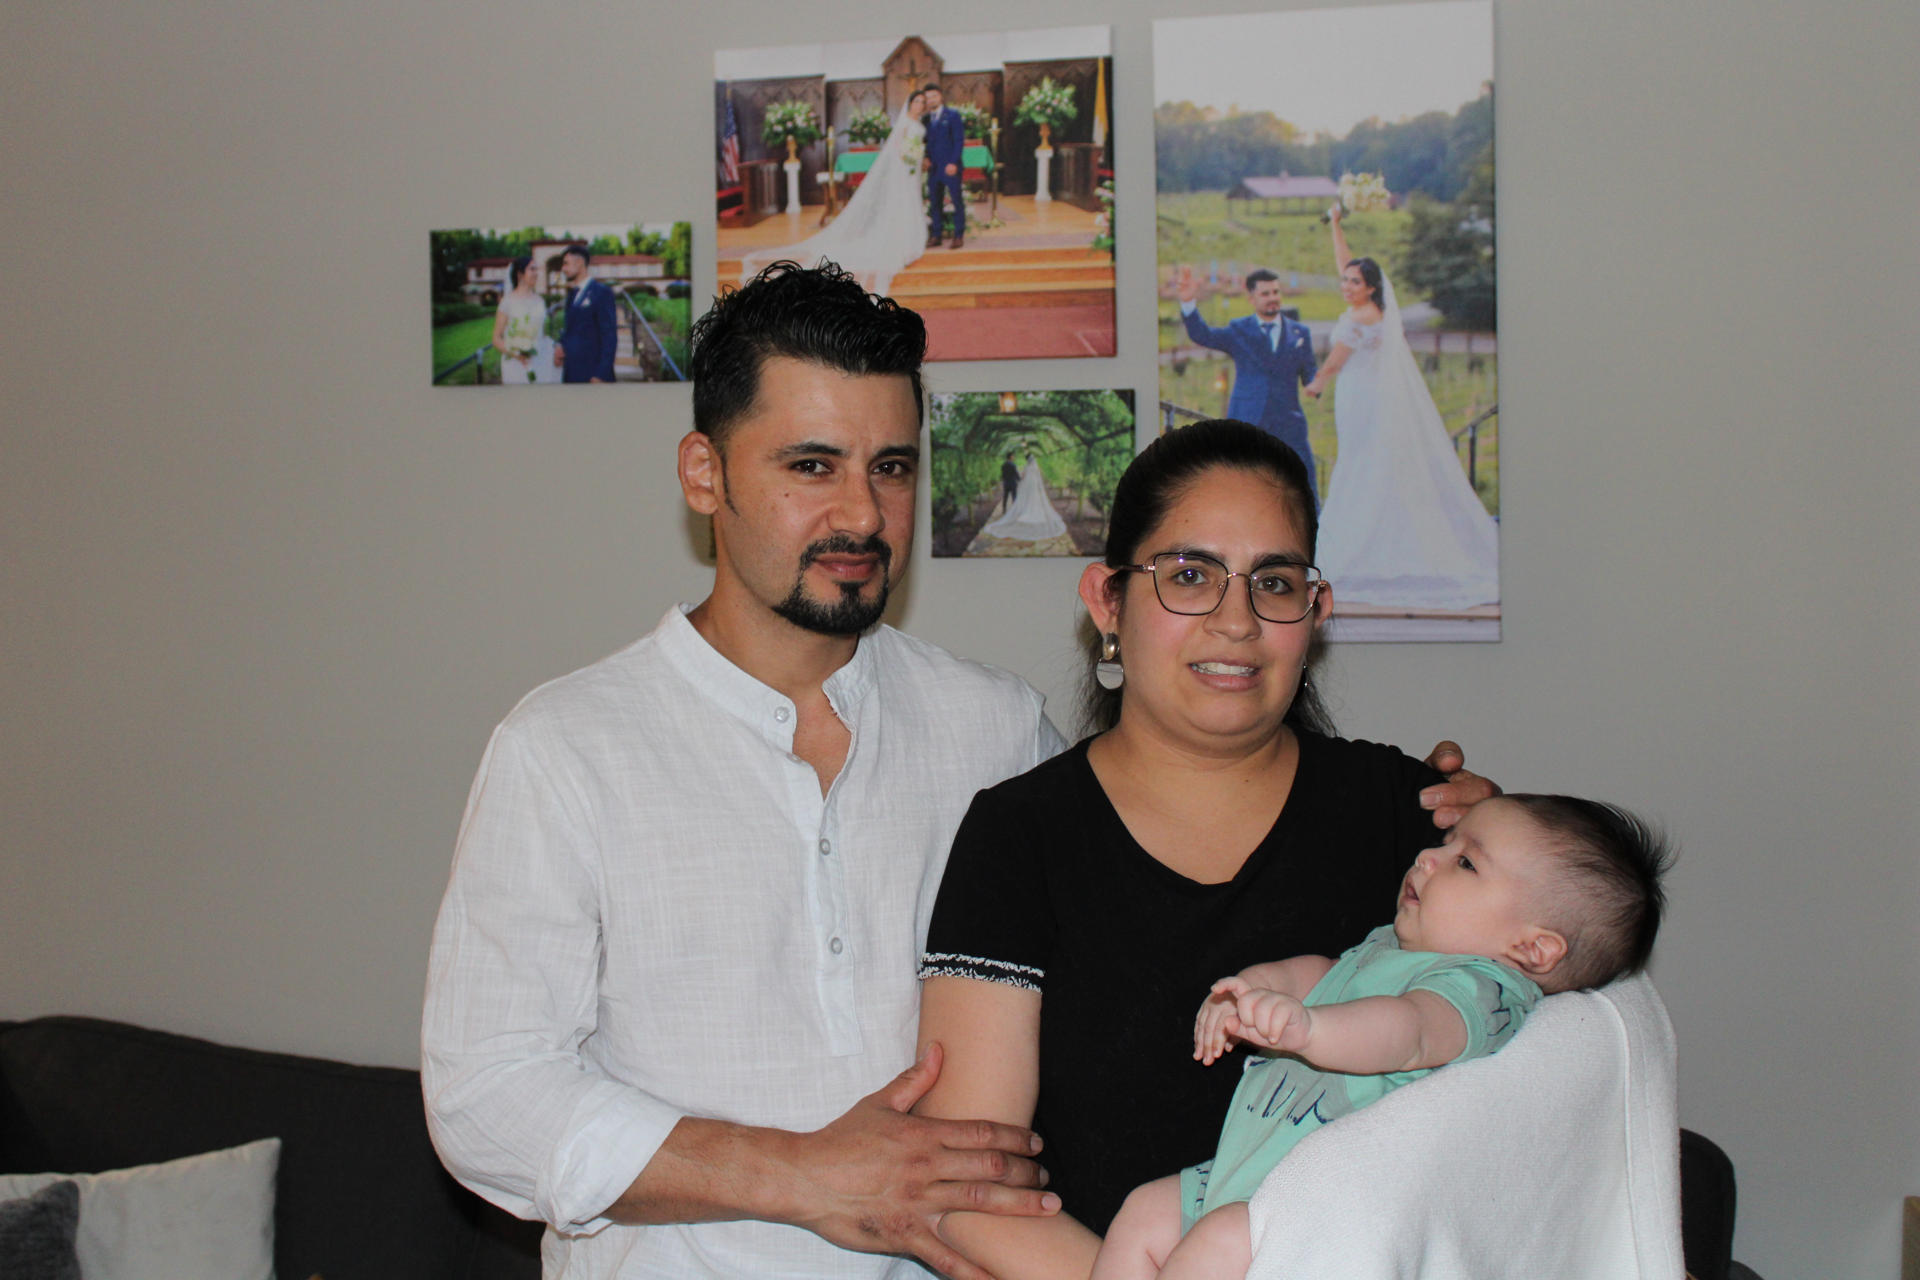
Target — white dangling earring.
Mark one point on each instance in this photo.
(1108, 671)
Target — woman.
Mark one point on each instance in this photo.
(1213, 822)
(883, 226)
(520, 327)
(1401, 526)
(1031, 518)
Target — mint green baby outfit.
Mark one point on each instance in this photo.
(1281, 1099)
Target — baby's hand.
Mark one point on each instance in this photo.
(1272, 1019)
(1218, 1022)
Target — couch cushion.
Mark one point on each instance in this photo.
(360, 1192)
(37, 1233)
(206, 1217)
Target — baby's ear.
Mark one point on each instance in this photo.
(1537, 952)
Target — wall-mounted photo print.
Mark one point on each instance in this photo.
(540, 306)
(1325, 202)
(1027, 473)
(969, 177)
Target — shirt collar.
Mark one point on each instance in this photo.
(764, 709)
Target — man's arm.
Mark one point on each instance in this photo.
(876, 1180)
(1463, 789)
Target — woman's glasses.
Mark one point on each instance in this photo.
(1194, 585)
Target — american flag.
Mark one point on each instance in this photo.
(730, 148)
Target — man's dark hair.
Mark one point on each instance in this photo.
(579, 251)
(1259, 276)
(1609, 891)
(817, 314)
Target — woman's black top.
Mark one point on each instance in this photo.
(1047, 889)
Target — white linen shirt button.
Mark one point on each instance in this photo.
(836, 946)
(826, 846)
(780, 714)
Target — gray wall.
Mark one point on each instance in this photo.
(265, 591)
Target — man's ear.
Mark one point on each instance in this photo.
(1537, 952)
(1094, 581)
(702, 476)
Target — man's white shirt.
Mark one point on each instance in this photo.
(654, 913)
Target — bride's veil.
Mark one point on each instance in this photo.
(1402, 385)
(879, 229)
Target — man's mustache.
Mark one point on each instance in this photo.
(845, 544)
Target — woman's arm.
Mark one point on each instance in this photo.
(1335, 358)
(990, 1033)
(1341, 254)
(500, 326)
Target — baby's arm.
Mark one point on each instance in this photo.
(1220, 1019)
(1371, 1036)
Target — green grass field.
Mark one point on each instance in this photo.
(1459, 393)
(1195, 227)
(452, 342)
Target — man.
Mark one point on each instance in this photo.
(1272, 360)
(946, 153)
(672, 985)
(593, 328)
(1009, 483)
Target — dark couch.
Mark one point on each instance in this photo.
(360, 1194)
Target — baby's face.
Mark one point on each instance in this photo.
(1480, 891)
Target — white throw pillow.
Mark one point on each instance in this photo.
(205, 1217)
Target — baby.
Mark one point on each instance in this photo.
(1529, 895)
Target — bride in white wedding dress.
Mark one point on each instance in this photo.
(1401, 525)
(1031, 518)
(883, 226)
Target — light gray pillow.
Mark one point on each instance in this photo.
(36, 1234)
(205, 1217)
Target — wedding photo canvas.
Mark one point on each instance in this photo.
(586, 303)
(1026, 473)
(1324, 193)
(969, 177)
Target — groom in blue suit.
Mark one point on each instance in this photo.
(1272, 360)
(946, 154)
(586, 347)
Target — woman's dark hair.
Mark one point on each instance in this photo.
(817, 314)
(518, 269)
(1370, 274)
(1147, 492)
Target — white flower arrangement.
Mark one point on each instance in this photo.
(1364, 193)
(915, 149)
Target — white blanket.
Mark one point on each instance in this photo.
(1558, 1156)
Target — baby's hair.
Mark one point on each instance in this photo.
(1610, 898)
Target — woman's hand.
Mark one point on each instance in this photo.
(1315, 387)
(1335, 213)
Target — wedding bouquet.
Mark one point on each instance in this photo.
(915, 149)
(1363, 193)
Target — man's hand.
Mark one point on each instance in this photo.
(559, 355)
(951, 169)
(1185, 287)
(878, 1179)
(1463, 789)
